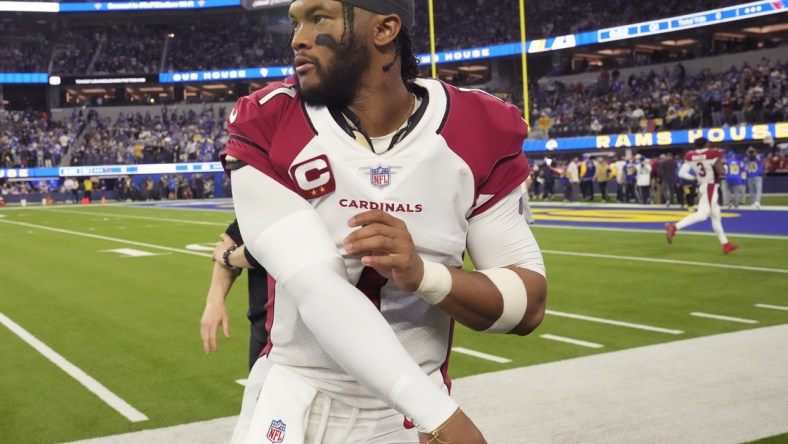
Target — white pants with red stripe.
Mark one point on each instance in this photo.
(708, 205)
(281, 407)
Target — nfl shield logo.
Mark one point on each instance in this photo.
(380, 176)
(276, 431)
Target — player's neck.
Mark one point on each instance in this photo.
(383, 110)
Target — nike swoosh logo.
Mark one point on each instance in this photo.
(233, 115)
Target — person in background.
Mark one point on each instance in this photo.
(736, 179)
(630, 176)
(587, 174)
(71, 187)
(87, 186)
(667, 175)
(707, 165)
(229, 258)
(643, 179)
(548, 180)
(573, 176)
(601, 175)
(753, 162)
(687, 186)
(620, 173)
(656, 184)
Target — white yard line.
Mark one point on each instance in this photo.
(659, 230)
(83, 378)
(612, 322)
(105, 238)
(129, 216)
(565, 253)
(571, 341)
(723, 318)
(772, 307)
(481, 355)
(667, 261)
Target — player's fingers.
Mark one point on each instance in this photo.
(380, 243)
(205, 336)
(375, 216)
(376, 229)
(381, 262)
(212, 336)
(226, 326)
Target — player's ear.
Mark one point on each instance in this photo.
(387, 28)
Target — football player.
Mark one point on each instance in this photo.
(359, 187)
(707, 165)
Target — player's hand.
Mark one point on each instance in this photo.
(224, 243)
(459, 429)
(384, 243)
(214, 315)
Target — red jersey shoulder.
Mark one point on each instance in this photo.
(488, 134)
(715, 153)
(478, 119)
(255, 115)
(491, 114)
(705, 154)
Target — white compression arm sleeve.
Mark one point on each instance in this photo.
(500, 237)
(685, 172)
(286, 235)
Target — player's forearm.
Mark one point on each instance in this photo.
(508, 292)
(476, 302)
(222, 279)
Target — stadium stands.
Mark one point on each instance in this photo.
(125, 46)
(30, 139)
(630, 97)
(662, 100)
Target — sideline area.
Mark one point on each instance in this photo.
(728, 388)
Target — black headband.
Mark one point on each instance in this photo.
(403, 8)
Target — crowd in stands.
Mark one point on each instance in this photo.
(30, 139)
(654, 100)
(241, 44)
(74, 49)
(666, 100)
(23, 49)
(170, 136)
(241, 40)
(131, 49)
(126, 188)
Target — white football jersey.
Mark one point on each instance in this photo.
(462, 155)
(702, 162)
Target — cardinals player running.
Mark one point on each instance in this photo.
(707, 165)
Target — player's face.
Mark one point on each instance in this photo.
(329, 60)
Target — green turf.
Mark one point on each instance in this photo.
(133, 323)
(778, 439)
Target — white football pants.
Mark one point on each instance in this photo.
(281, 407)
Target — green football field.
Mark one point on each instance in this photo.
(100, 308)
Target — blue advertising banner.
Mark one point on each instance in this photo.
(146, 5)
(23, 77)
(663, 139)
